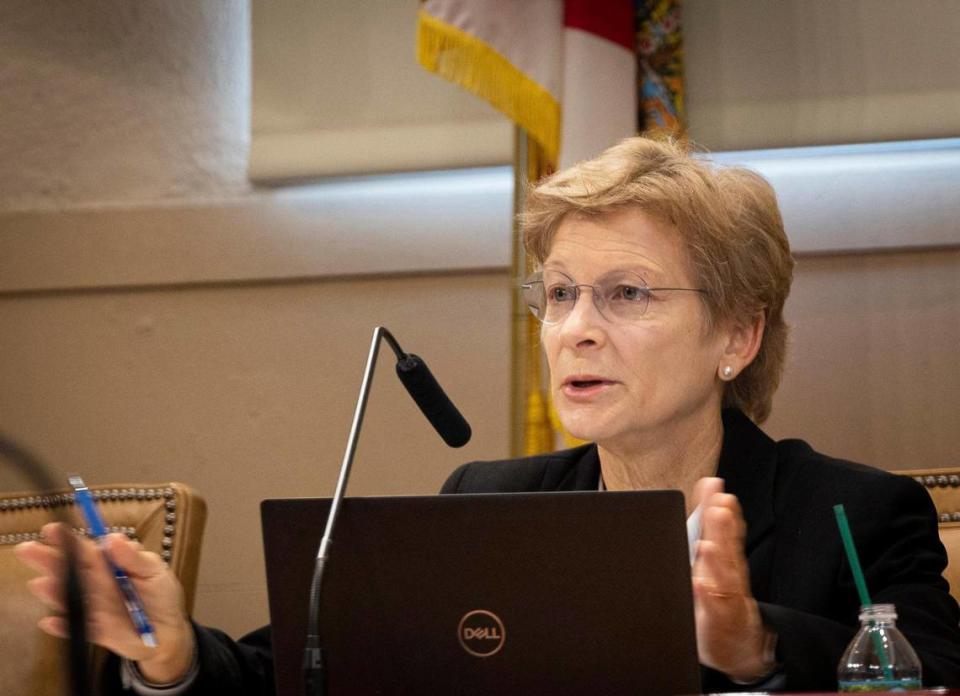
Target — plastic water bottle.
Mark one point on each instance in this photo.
(879, 658)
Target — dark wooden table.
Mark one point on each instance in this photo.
(923, 692)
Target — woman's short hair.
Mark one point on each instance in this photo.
(727, 218)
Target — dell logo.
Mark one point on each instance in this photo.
(490, 633)
(481, 633)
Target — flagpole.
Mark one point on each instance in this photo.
(518, 325)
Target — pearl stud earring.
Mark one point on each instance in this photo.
(727, 372)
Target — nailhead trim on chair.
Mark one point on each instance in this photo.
(16, 538)
(118, 494)
(941, 481)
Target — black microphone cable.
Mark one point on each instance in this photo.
(78, 682)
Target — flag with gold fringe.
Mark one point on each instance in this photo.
(504, 52)
(562, 71)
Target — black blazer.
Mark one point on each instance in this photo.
(798, 570)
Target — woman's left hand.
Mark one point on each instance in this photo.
(731, 636)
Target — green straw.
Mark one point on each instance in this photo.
(860, 581)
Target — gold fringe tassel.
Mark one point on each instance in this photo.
(538, 427)
(477, 67)
(544, 431)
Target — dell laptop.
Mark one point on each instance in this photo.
(546, 593)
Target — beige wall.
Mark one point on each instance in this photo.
(758, 74)
(243, 385)
(115, 103)
(388, 114)
(795, 72)
(873, 372)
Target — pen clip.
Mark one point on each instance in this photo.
(84, 500)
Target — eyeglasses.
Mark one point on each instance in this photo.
(619, 296)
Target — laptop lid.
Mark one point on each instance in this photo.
(560, 593)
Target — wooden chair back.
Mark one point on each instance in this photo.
(167, 518)
(943, 485)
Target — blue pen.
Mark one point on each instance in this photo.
(99, 530)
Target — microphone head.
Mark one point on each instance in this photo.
(433, 401)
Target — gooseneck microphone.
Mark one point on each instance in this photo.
(446, 420)
(78, 682)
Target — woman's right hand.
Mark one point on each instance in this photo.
(108, 623)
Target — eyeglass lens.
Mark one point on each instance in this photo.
(621, 295)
